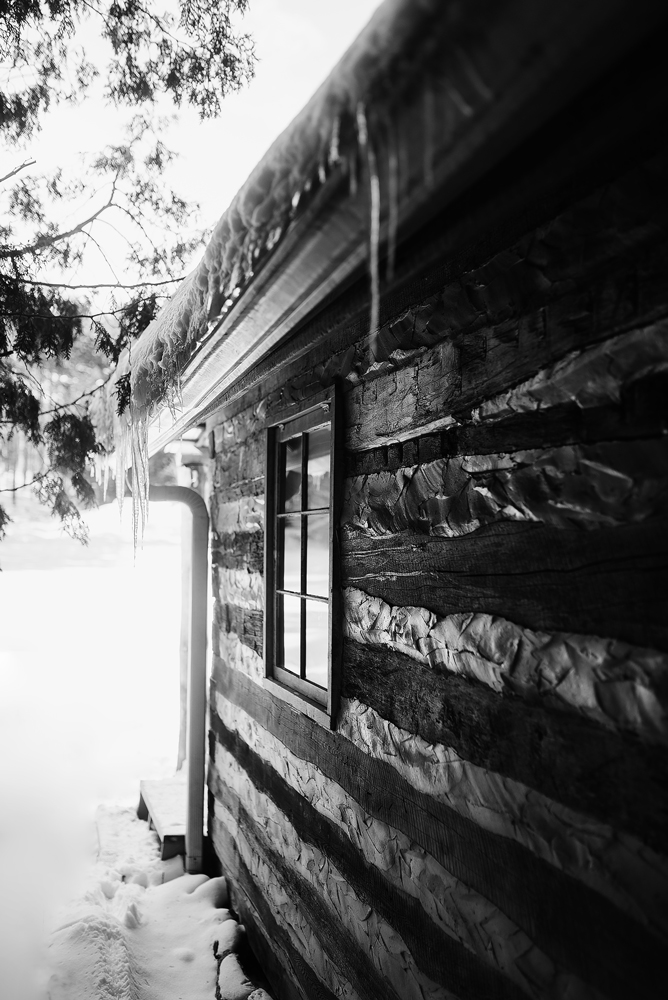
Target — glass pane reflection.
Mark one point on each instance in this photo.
(291, 552)
(317, 642)
(291, 610)
(317, 555)
(317, 468)
(292, 474)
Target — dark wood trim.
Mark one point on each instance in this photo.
(318, 704)
(437, 954)
(606, 581)
(569, 921)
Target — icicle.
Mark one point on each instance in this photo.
(393, 194)
(333, 156)
(428, 137)
(374, 234)
(140, 477)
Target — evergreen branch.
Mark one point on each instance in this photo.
(73, 402)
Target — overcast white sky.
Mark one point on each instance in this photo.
(297, 43)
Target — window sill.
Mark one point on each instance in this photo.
(303, 704)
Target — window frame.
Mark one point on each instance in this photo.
(318, 703)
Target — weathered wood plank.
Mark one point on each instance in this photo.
(620, 686)
(239, 550)
(567, 920)
(244, 622)
(623, 870)
(641, 413)
(565, 757)
(607, 582)
(339, 949)
(570, 486)
(482, 357)
(290, 976)
(453, 906)
(439, 955)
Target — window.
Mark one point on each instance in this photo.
(301, 605)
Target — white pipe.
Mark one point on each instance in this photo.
(196, 666)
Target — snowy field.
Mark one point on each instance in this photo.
(89, 703)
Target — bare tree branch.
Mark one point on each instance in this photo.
(101, 284)
(16, 170)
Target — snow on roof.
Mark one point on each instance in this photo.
(324, 135)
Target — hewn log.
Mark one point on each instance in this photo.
(246, 624)
(239, 550)
(642, 412)
(290, 975)
(571, 486)
(330, 947)
(621, 686)
(578, 927)
(439, 955)
(611, 581)
(623, 870)
(453, 906)
(481, 358)
(565, 757)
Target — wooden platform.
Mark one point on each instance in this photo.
(163, 803)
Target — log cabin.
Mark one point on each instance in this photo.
(427, 352)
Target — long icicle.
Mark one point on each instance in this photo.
(393, 195)
(374, 234)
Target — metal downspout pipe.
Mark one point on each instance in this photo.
(196, 739)
(196, 666)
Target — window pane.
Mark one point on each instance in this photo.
(317, 555)
(292, 474)
(291, 553)
(317, 642)
(291, 610)
(317, 486)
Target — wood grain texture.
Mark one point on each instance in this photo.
(245, 623)
(613, 777)
(570, 486)
(299, 907)
(641, 412)
(611, 581)
(579, 928)
(290, 976)
(619, 686)
(622, 869)
(238, 550)
(459, 912)
(438, 954)
(505, 321)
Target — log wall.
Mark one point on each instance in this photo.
(488, 817)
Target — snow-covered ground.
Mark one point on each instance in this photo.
(89, 703)
(140, 929)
